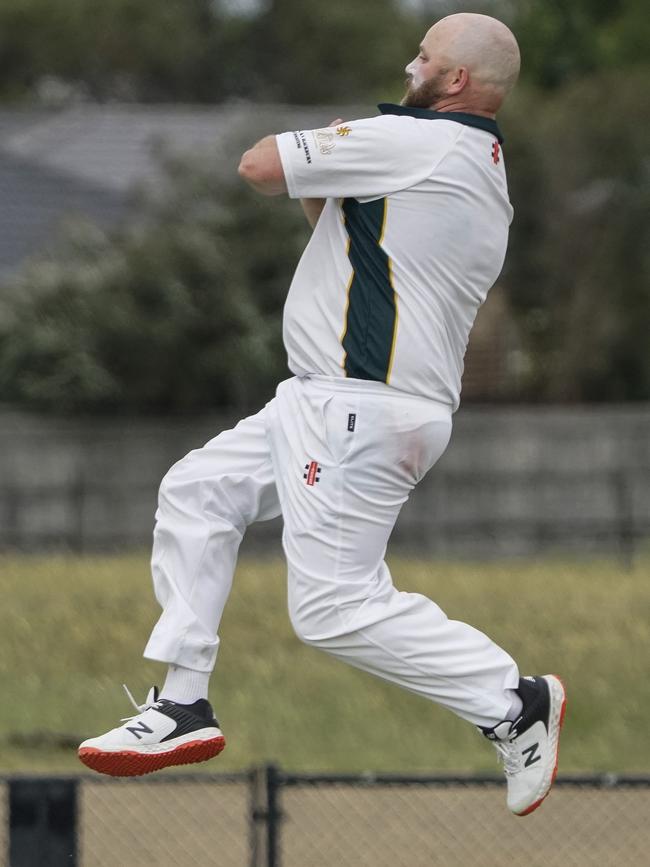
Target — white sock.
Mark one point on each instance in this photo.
(185, 685)
(516, 705)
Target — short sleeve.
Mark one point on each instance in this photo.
(361, 158)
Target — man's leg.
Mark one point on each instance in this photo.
(207, 500)
(347, 458)
(363, 450)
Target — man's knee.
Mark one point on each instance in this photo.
(187, 491)
(316, 622)
(175, 484)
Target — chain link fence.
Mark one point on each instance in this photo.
(267, 818)
(185, 822)
(456, 823)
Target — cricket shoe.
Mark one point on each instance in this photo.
(161, 734)
(528, 747)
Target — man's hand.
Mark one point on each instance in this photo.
(313, 208)
(261, 167)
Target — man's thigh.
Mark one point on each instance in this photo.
(231, 476)
(346, 461)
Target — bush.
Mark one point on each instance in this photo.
(180, 312)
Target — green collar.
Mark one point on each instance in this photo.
(485, 123)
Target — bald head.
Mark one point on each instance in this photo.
(467, 62)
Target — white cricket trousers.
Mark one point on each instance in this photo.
(337, 458)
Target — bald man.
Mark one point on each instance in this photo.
(410, 212)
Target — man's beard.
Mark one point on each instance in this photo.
(426, 95)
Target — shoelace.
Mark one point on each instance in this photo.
(141, 708)
(509, 755)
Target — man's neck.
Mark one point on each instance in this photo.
(450, 104)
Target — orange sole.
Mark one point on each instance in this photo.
(557, 757)
(128, 763)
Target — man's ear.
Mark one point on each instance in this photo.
(460, 80)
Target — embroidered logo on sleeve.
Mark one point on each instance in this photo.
(324, 139)
(495, 152)
(343, 130)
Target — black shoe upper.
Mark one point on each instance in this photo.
(535, 697)
(188, 717)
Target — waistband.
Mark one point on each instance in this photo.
(368, 386)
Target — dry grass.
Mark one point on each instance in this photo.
(73, 630)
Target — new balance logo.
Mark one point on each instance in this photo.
(532, 758)
(138, 728)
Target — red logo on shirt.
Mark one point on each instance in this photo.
(312, 473)
(495, 152)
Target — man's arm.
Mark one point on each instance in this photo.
(312, 209)
(261, 167)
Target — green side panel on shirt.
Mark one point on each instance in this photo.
(371, 315)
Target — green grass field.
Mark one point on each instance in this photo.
(72, 631)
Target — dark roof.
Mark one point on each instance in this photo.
(35, 202)
(84, 160)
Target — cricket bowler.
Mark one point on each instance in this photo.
(410, 216)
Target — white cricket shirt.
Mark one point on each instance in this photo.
(412, 237)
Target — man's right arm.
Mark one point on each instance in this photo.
(312, 209)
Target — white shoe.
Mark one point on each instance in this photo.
(528, 747)
(163, 733)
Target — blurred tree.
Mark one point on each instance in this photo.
(311, 53)
(180, 313)
(562, 41)
(285, 50)
(199, 51)
(578, 268)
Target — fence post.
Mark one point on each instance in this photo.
(77, 494)
(266, 816)
(42, 822)
(257, 817)
(274, 815)
(624, 517)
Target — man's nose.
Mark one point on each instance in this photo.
(408, 69)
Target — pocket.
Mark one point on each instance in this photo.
(340, 419)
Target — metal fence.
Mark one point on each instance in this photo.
(269, 818)
(514, 481)
(448, 515)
